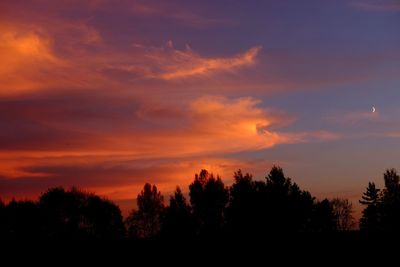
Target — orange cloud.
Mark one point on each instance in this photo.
(203, 127)
(168, 63)
(207, 125)
(75, 55)
(37, 58)
(25, 55)
(187, 63)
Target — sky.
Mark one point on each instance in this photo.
(108, 95)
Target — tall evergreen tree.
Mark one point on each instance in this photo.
(371, 216)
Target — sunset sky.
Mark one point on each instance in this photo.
(107, 95)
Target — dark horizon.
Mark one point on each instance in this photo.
(126, 206)
(247, 208)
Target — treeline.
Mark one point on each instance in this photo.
(246, 208)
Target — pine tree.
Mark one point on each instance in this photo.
(371, 196)
(371, 218)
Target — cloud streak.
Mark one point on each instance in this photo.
(188, 64)
(168, 63)
(174, 12)
(378, 5)
(80, 59)
(204, 125)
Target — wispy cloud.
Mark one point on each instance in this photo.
(168, 63)
(175, 12)
(191, 64)
(356, 120)
(359, 124)
(78, 56)
(377, 5)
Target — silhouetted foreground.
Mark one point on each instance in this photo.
(247, 208)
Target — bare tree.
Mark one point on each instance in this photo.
(343, 210)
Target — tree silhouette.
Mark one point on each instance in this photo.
(178, 220)
(371, 215)
(60, 211)
(276, 179)
(147, 220)
(248, 207)
(277, 200)
(242, 210)
(391, 201)
(75, 214)
(22, 220)
(392, 186)
(288, 207)
(343, 209)
(323, 218)
(301, 205)
(2, 219)
(275, 206)
(104, 219)
(209, 198)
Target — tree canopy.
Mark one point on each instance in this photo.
(209, 208)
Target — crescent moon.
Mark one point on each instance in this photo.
(373, 109)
